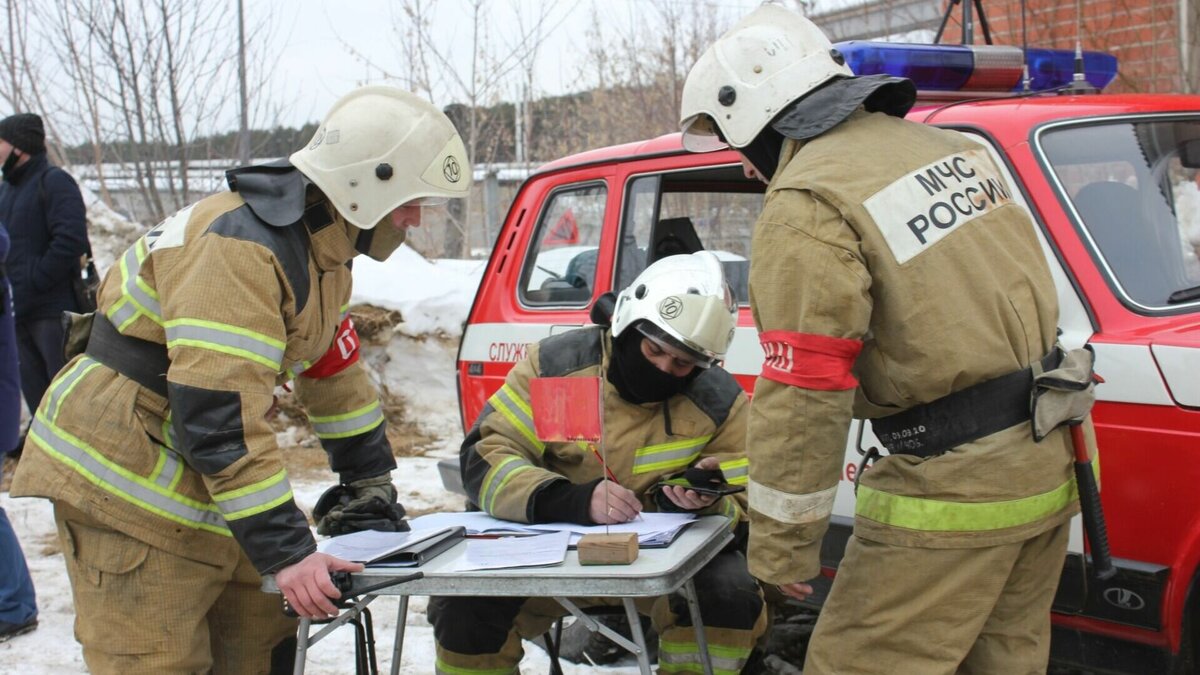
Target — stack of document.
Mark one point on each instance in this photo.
(392, 549)
(654, 530)
(542, 550)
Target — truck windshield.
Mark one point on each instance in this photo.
(1133, 187)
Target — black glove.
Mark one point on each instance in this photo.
(365, 504)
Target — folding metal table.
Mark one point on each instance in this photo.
(657, 571)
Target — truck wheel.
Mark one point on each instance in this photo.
(1185, 662)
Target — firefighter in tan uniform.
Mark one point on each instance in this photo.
(893, 278)
(667, 406)
(170, 492)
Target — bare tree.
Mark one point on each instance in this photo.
(136, 82)
(476, 80)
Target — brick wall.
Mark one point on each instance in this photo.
(1142, 34)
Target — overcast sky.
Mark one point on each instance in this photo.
(315, 66)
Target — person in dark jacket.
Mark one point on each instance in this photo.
(42, 209)
(18, 606)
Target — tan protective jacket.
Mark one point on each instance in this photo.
(245, 290)
(903, 240)
(504, 465)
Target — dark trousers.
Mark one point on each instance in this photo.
(40, 350)
(17, 601)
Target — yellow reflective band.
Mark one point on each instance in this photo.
(519, 414)
(122, 313)
(731, 510)
(493, 484)
(127, 486)
(348, 424)
(932, 515)
(675, 657)
(253, 499)
(226, 339)
(175, 479)
(158, 466)
(72, 378)
(667, 456)
(444, 668)
(737, 471)
(133, 289)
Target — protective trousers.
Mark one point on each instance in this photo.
(931, 611)
(483, 635)
(139, 609)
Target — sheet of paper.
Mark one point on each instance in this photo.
(476, 522)
(652, 528)
(370, 545)
(537, 551)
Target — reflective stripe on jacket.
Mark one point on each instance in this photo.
(906, 239)
(505, 464)
(239, 304)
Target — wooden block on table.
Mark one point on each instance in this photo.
(617, 548)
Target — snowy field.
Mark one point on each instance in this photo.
(434, 298)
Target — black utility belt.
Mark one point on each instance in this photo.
(962, 417)
(140, 360)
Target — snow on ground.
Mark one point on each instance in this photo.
(434, 298)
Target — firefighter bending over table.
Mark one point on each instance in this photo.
(894, 276)
(170, 493)
(668, 405)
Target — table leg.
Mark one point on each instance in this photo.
(398, 645)
(301, 646)
(689, 592)
(639, 637)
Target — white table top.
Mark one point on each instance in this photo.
(657, 571)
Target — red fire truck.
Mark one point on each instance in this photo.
(1110, 182)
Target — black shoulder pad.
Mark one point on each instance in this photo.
(568, 352)
(289, 244)
(714, 392)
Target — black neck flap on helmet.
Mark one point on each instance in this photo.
(824, 108)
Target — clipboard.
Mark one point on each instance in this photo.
(393, 549)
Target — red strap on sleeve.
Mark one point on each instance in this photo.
(341, 355)
(809, 361)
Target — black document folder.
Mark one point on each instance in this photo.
(393, 549)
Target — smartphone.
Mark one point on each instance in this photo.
(716, 489)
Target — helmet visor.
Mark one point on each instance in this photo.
(427, 201)
(700, 134)
(674, 347)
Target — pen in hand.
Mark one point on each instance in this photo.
(610, 475)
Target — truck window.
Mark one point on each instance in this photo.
(1132, 187)
(682, 211)
(560, 270)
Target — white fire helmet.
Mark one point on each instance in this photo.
(681, 300)
(771, 58)
(381, 147)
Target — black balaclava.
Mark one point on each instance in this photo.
(636, 379)
(763, 152)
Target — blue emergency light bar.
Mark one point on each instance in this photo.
(975, 68)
